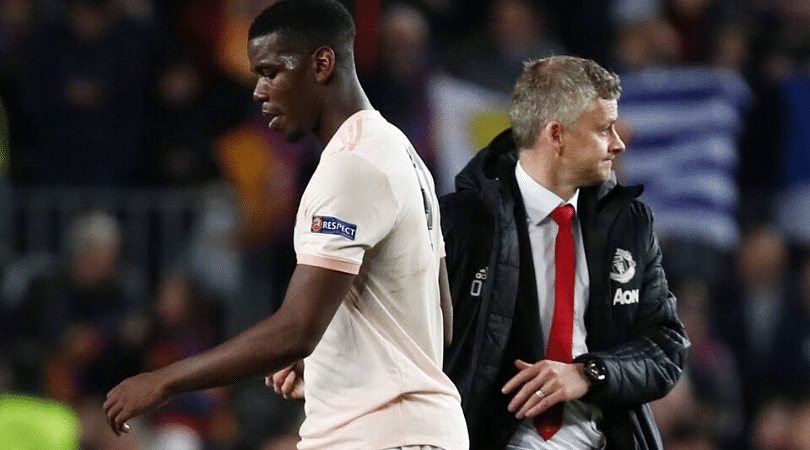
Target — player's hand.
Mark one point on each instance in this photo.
(132, 397)
(543, 384)
(288, 382)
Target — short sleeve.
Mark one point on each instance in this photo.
(347, 209)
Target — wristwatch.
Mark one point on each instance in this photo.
(595, 372)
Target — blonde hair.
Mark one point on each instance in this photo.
(557, 88)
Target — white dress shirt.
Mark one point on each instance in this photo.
(579, 428)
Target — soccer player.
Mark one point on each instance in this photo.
(364, 306)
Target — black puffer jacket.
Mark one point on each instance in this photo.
(633, 329)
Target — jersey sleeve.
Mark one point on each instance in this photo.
(347, 209)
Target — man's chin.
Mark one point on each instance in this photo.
(599, 179)
(294, 137)
(606, 173)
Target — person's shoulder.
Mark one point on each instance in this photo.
(639, 208)
(463, 208)
(366, 134)
(631, 197)
(610, 191)
(459, 200)
(380, 133)
(616, 197)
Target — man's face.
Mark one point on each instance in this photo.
(592, 143)
(286, 87)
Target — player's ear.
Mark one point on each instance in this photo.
(324, 64)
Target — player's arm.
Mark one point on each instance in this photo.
(446, 303)
(313, 296)
(289, 382)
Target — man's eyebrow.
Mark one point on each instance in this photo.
(288, 62)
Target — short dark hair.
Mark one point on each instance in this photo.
(309, 22)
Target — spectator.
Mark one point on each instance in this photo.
(196, 26)
(70, 320)
(698, 24)
(674, 412)
(190, 109)
(398, 85)
(682, 125)
(185, 322)
(793, 339)
(82, 99)
(518, 30)
(268, 174)
(750, 311)
(711, 369)
(239, 250)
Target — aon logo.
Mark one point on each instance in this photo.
(625, 297)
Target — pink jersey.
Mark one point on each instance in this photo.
(375, 381)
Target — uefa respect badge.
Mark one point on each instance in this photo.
(333, 225)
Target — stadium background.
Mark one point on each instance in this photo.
(145, 208)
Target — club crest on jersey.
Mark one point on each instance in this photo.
(333, 225)
(623, 267)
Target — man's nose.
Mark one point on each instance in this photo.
(617, 146)
(260, 91)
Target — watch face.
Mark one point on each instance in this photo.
(595, 372)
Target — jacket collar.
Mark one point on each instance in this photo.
(491, 163)
(497, 162)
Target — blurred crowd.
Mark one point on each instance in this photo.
(156, 94)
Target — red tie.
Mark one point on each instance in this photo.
(561, 337)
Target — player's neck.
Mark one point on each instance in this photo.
(348, 101)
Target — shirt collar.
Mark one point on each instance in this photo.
(537, 199)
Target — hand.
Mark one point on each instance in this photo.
(288, 382)
(559, 382)
(132, 397)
